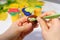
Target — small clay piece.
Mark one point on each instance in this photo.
(25, 12)
(32, 19)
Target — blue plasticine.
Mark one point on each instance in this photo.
(26, 13)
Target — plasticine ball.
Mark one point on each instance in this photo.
(26, 13)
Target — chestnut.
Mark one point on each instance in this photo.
(32, 19)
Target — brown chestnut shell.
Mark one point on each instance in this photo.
(34, 23)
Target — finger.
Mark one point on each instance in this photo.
(48, 13)
(26, 27)
(55, 22)
(43, 24)
(25, 23)
(29, 26)
(21, 21)
(49, 25)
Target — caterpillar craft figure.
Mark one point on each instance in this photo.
(21, 8)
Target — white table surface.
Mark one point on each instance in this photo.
(36, 34)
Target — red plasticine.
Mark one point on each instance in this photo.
(13, 10)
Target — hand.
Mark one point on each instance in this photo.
(50, 28)
(18, 30)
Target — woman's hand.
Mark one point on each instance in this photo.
(18, 30)
(51, 27)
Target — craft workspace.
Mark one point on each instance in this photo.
(13, 10)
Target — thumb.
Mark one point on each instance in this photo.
(42, 24)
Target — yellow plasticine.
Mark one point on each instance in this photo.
(15, 18)
(3, 16)
(40, 3)
(37, 11)
(21, 1)
(14, 5)
(24, 5)
(33, 3)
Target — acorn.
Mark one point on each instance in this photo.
(32, 19)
